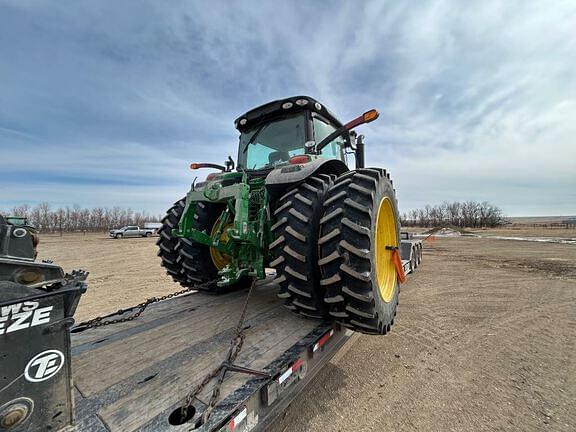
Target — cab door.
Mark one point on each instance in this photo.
(132, 231)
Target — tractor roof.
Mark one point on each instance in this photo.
(283, 106)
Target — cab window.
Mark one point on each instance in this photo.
(334, 148)
(273, 143)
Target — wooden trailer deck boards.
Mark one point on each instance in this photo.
(131, 376)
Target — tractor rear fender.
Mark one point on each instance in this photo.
(292, 174)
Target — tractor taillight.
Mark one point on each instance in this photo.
(300, 159)
(211, 176)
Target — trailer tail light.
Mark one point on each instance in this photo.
(300, 159)
(322, 341)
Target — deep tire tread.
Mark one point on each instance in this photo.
(346, 236)
(294, 249)
(168, 245)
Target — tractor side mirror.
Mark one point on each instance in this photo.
(352, 141)
(229, 164)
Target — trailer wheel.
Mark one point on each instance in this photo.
(360, 220)
(294, 249)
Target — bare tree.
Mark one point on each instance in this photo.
(66, 219)
(468, 214)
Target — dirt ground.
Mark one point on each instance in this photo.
(515, 230)
(484, 339)
(524, 231)
(122, 272)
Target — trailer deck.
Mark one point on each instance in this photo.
(131, 376)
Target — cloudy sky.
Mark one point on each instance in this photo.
(106, 103)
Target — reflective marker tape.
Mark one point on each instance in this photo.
(297, 365)
(238, 419)
(322, 341)
(290, 370)
(284, 376)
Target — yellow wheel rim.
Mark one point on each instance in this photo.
(220, 259)
(386, 235)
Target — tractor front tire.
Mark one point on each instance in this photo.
(358, 232)
(294, 249)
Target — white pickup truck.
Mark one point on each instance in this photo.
(132, 231)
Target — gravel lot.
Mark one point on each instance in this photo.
(484, 339)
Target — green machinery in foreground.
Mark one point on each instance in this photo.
(293, 204)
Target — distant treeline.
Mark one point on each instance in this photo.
(466, 214)
(75, 218)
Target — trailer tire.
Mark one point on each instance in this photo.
(294, 247)
(360, 220)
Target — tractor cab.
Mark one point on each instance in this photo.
(280, 131)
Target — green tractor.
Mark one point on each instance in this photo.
(291, 203)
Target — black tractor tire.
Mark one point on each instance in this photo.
(168, 245)
(189, 263)
(294, 249)
(195, 257)
(348, 251)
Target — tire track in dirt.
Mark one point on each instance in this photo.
(476, 346)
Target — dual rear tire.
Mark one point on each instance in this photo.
(294, 252)
(332, 249)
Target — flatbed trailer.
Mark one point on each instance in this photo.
(410, 251)
(133, 375)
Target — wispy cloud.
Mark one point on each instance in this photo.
(109, 102)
